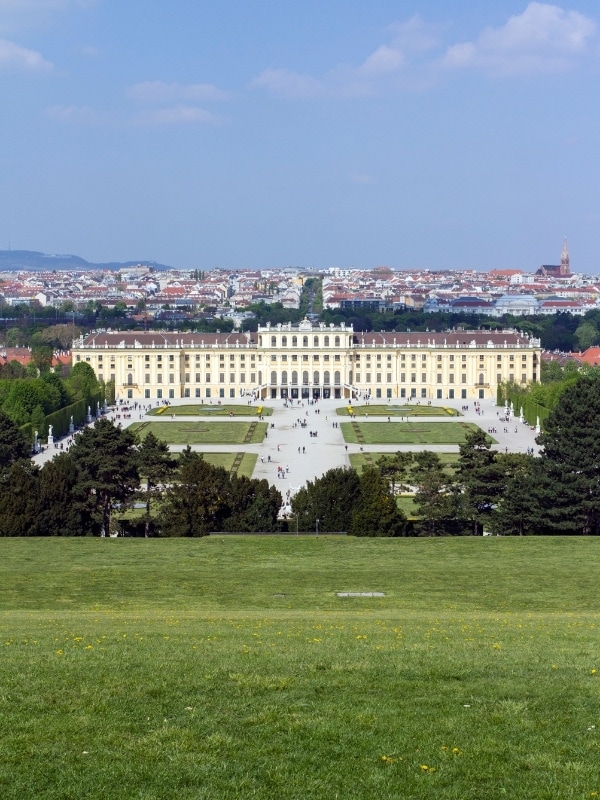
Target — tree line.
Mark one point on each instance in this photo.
(510, 494)
(88, 490)
(107, 469)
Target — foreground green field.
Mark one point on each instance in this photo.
(407, 432)
(230, 668)
(202, 432)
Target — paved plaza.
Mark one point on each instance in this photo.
(303, 452)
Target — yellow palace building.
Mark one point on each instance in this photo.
(309, 360)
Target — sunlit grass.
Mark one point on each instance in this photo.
(407, 432)
(229, 668)
(395, 409)
(211, 410)
(203, 432)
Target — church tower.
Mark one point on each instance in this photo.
(565, 269)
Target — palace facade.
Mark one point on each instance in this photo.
(310, 360)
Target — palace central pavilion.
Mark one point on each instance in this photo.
(310, 360)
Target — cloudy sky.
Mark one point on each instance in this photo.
(260, 133)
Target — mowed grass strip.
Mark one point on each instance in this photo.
(201, 432)
(208, 410)
(407, 432)
(398, 410)
(229, 667)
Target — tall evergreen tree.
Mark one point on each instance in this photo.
(479, 478)
(436, 499)
(13, 445)
(375, 512)
(570, 460)
(197, 502)
(20, 500)
(63, 510)
(156, 465)
(330, 499)
(106, 461)
(254, 505)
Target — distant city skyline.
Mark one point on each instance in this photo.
(257, 134)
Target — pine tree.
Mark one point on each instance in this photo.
(570, 460)
(479, 478)
(13, 445)
(156, 464)
(106, 461)
(375, 512)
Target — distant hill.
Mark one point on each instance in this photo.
(11, 260)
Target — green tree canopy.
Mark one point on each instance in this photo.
(13, 445)
(375, 512)
(156, 465)
(571, 459)
(330, 499)
(106, 461)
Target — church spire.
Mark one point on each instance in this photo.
(565, 268)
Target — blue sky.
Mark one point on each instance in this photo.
(272, 133)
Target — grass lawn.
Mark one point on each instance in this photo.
(228, 668)
(203, 432)
(214, 410)
(407, 432)
(398, 410)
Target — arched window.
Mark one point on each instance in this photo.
(326, 380)
(260, 341)
(316, 377)
(273, 378)
(305, 378)
(260, 377)
(336, 378)
(284, 341)
(305, 341)
(130, 379)
(326, 341)
(294, 341)
(316, 341)
(273, 341)
(294, 378)
(336, 341)
(481, 378)
(284, 377)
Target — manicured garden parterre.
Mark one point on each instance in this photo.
(397, 410)
(229, 667)
(406, 432)
(211, 410)
(203, 432)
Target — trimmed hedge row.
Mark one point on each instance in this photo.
(61, 419)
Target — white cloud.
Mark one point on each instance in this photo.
(15, 57)
(81, 115)
(288, 83)
(162, 92)
(395, 63)
(544, 38)
(177, 115)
